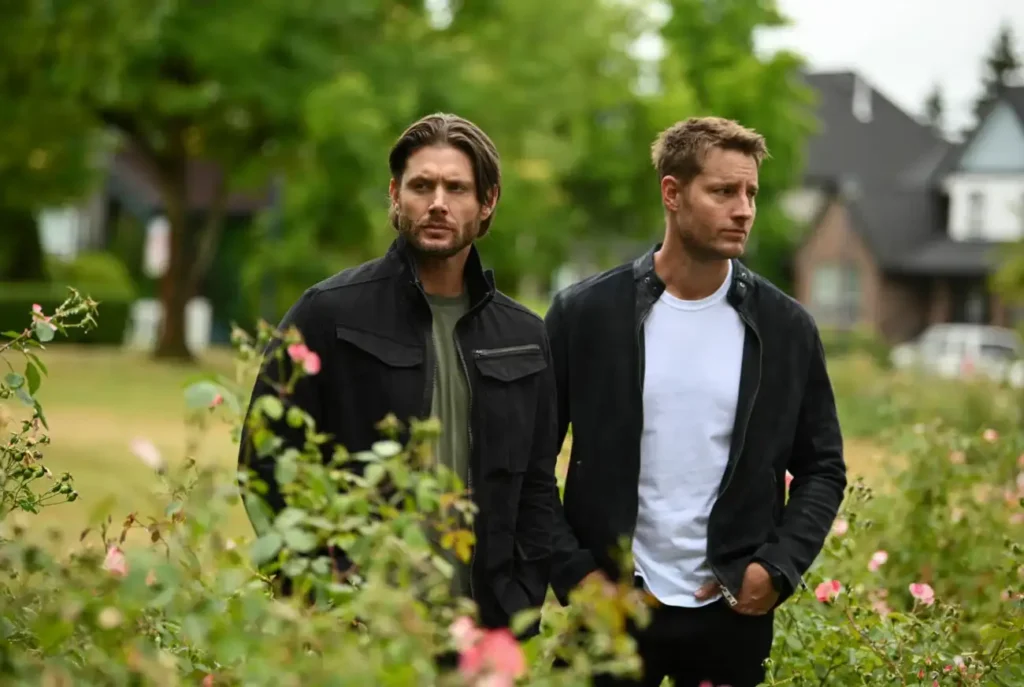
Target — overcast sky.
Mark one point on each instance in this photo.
(902, 47)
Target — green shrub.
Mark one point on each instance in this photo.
(942, 603)
(856, 341)
(95, 270)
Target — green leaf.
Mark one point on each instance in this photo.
(296, 417)
(375, 473)
(288, 518)
(14, 380)
(201, 394)
(270, 406)
(39, 363)
(295, 566)
(44, 331)
(265, 549)
(12, 335)
(300, 540)
(523, 620)
(34, 379)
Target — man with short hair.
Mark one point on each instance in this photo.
(422, 331)
(692, 386)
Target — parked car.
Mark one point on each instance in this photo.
(957, 351)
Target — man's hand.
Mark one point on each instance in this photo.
(757, 596)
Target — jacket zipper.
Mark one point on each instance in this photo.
(729, 597)
(508, 350)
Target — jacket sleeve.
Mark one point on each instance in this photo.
(569, 562)
(819, 478)
(306, 395)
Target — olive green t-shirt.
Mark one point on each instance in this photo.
(451, 406)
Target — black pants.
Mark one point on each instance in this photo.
(691, 645)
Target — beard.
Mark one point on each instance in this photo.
(459, 238)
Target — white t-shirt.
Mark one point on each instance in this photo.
(693, 356)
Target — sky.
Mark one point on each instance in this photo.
(902, 47)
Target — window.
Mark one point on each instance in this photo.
(975, 215)
(836, 294)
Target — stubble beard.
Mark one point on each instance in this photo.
(462, 238)
(697, 248)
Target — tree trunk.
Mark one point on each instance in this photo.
(21, 259)
(174, 287)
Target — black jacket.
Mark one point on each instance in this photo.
(785, 420)
(371, 326)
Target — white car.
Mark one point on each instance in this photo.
(956, 351)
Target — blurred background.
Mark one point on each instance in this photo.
(196, 165)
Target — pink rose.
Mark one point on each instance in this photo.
(115, 562)
(828, 590)
(923, 593)
(878, 559)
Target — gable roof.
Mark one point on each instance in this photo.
(894, 220)
(1012, 96)
(890, 144)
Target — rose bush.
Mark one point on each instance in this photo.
(919, 583)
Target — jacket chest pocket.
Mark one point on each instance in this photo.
(509, 384)
(378, 375)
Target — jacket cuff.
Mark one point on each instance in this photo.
(773, 555)
(566, 576)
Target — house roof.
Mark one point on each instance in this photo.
(1012, 96)
(948, 258)
(894, 220)
(134, 183)
(889, 144)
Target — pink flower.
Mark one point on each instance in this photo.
(148, 453)
(495, 654)
(957, 457)
(923, 593)
(309, 360)
(115, 562)
(990, 435)
(828, 590)
(217, 400)
(789, 479)
(881, 608)
(37, 309)
(465, 633)
(840, 527)
(208, 680)
(878, 559)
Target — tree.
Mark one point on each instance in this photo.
(1002, 67)
(934, 109)
(224, 83)
(711, 55)
(49, 148)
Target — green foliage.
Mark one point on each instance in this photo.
(20, 298)
(95, 269)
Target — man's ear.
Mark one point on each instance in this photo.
(492, 200)
(671, 193)
(393, 190)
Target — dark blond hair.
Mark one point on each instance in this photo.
(680, 150)
(461, 134)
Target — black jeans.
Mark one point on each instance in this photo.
(691, 645)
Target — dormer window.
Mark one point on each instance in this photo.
(975, 215)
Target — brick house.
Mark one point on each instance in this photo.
(903, 227)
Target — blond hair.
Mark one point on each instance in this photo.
(680, 150)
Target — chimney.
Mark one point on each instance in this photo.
(861, 99)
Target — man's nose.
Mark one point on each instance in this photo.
(439, 202)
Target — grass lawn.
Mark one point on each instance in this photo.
(98, 400)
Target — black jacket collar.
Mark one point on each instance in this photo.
(479, 281)
(743, 282)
